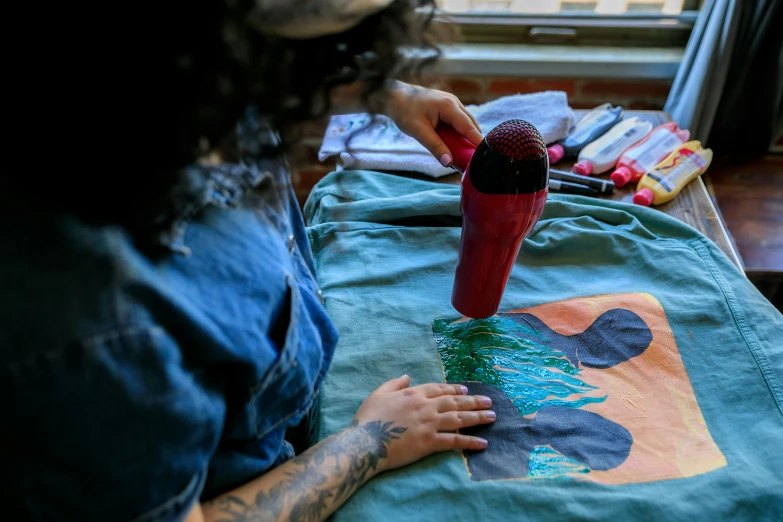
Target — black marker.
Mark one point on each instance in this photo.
(555, 185)
(603, 186)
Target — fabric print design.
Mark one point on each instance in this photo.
(591, 388)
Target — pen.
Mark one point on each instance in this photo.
(555, 185)
(603, 186)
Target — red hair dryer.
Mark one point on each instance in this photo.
(504, 188)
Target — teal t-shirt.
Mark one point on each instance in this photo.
(636, 372)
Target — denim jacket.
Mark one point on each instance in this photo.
(135, 387)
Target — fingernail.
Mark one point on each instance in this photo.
(482, 442)
(403, 375)
(464, 389)
(491, 415)
(486, 401)
(445, 160)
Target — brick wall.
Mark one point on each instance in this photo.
(582, 93)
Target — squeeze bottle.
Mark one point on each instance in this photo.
(646, 154)
(666, 180)
(504, 188)
(591, 127)
(602, 154)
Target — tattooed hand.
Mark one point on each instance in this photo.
(428, 414)
(417, 111)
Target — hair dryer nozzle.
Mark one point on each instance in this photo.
(518, 140)
(512, 159)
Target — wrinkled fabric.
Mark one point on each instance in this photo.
(136, 387)
(636, 372)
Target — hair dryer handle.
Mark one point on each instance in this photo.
(461, 148)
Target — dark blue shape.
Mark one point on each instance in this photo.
(616, 336)
(587, 437)
(508, 449)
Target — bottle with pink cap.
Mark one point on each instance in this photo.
(592, 126)
(602, 154)
(685, 163)
(639, 159)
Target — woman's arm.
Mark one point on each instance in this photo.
(309, 487)
(395, 426)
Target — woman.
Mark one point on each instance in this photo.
(163, 333)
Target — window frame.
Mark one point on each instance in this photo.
(638, 29)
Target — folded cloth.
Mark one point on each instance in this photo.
(362, 141)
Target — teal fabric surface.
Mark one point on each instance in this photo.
(702, 402)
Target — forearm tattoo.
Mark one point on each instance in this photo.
(322, 479)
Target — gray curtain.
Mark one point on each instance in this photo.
(729, 88)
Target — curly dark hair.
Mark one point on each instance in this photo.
(186, 79)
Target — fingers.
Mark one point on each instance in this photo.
(453, 113)
(452, 441)
(463, 403)
(458, 117)
(472, 118)
(426, 135)
(400, 383)
(434, 390)
(455, 420)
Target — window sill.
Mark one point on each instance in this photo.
(511, 60)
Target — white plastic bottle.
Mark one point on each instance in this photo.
(592, 126)
(639, 159)
(602, 154)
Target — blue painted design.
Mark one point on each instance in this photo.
(616, 336)
(513, 357)
(580, 435)
(544, 462)
(532, 374)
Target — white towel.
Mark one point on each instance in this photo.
(375, 143)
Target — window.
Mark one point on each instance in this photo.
(656, 23)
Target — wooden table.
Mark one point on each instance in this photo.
(692, 205)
